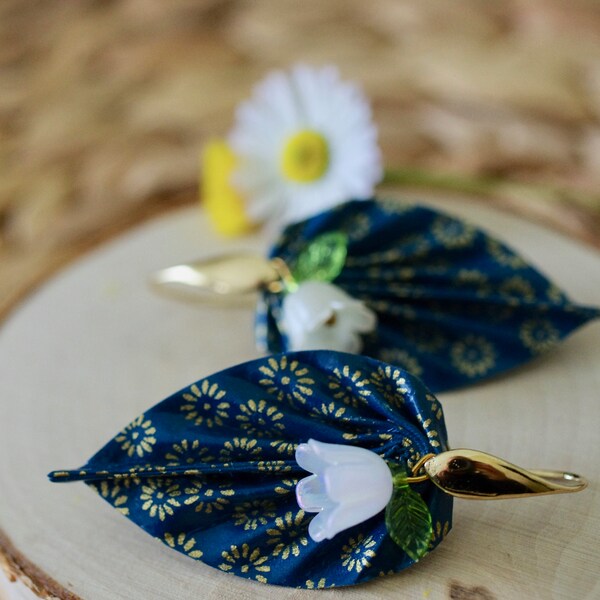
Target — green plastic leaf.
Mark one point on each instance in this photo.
(408, 520)
(323, 259)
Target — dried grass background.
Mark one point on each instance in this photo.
(104, 105)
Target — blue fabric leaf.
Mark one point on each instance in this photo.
(454, 305)
(210, 471)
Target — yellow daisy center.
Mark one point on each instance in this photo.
(305, 156)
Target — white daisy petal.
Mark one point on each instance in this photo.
(306, 142)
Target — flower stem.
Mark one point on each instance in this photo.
(482, 185)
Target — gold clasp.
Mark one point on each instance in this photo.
(232, 275)
(476, 475)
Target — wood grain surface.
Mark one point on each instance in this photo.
(106, 105)
(93, 348)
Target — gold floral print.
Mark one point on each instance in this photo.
(395, 207)
(431, 432)
(432, 342)
(474, 279)
(183, 543)
(186, 453)
(555, 294)
(260, 419)
(357, 226)
(470, 277)
(207, 497)
(517, 288)
(286, 380)
(252, 514)
(452, 233)
(245, 562)
(243, 447)
(284, 447)
(390, 383)
(329, 409)
(436, 407)
(159, 497)
(414, 455)
(204, 404)
(113, 492)
(285, 486)
(349, 386)
(394, 308)
(401, 358)
(503, 256)
(289, 534)
(440, 531)
(376, 259)
(317, 585)
(539, 335)
(272, 466)
(138, 438)
(358, 553)
(473, 356)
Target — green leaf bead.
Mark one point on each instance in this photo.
(323, 259)
(408, 519)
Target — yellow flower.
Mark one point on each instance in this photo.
(223, 204)
(306, 143)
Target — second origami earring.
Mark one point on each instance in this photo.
(230, 470)
(402, 283)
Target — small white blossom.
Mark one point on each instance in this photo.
(349, 485)
(321, 316)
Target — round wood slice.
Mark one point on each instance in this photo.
(94, 347)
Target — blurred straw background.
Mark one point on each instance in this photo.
(106, 104)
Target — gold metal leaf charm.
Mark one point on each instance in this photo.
(235, 275)
(477, 475)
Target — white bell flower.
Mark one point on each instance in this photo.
(349, 485)
(321, 316)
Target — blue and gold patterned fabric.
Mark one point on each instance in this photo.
(210, 471)
(454, 305)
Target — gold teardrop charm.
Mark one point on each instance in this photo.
(476, 475)
(234, 275)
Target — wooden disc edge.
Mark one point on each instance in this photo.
(14, 563)
(17, 567)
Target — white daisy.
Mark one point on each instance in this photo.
(305, 142)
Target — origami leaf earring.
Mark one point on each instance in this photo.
(217, 471)
(401, 283)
